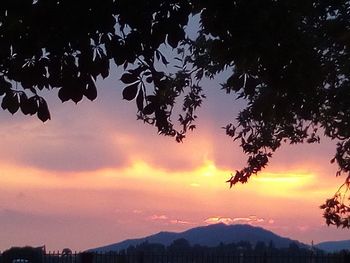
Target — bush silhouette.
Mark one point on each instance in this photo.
(32, 254)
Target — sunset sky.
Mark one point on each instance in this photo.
(93, 175)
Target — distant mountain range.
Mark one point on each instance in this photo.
(334, 246)
(211, 235)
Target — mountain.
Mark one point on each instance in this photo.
(334, 246)
(211, 235)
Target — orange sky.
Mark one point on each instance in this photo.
(93, 175)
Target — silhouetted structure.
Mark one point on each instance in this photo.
(24, 254)
(87, 257)
(181, 252)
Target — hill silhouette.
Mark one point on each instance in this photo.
(334, 246)
(210, 236)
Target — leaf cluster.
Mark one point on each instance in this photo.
(289, 61)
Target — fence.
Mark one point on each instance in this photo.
(150, 258)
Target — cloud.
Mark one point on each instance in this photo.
(75, 144)
(216, 220)
(72, 154)
(157, 217)
(168, 220)
(250, 219)
(180, 222)
(89, 138)
(228, 220)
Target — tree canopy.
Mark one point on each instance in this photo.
(288, 59)
(182, 247)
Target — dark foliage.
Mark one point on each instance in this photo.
(182, 247)
(31, 254)
(289, 60)
(233, 252)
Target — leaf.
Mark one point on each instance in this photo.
(250, 86)
(149, 109)
(29, 106)
(160, 56)
(151, 98)
(139, 100)
(43, 111)
(235, 82)
(91, 91)
(129, 78)
(63, 94)
(125, 65)
(130, 92)
(199, 74)
(104, 64)
(76, 94)
(10, 102)
(33, 90)
(22, 97)
(164, 60)
(22, 102)
(176, 35)
(26, 85)
(172, 40)
(5, 86)
(157, 54)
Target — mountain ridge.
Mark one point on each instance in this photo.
(334, 246)
(211, 235)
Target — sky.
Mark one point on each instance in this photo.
(94, 175)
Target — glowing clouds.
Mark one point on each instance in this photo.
(216, 220)
(165, 220)
(238, 220)
(140, 199)
(180, 222)
(208, 169)
(158, 217)
(285, 184)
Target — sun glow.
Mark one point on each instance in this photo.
(141, 193)
(282, 184)
(207, 169)
(206, 177)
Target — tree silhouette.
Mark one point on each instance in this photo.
(179, 246)
(181, 249)
(288, 59)
(31, 254)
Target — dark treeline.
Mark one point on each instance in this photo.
(181, 251)
(183, 247)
